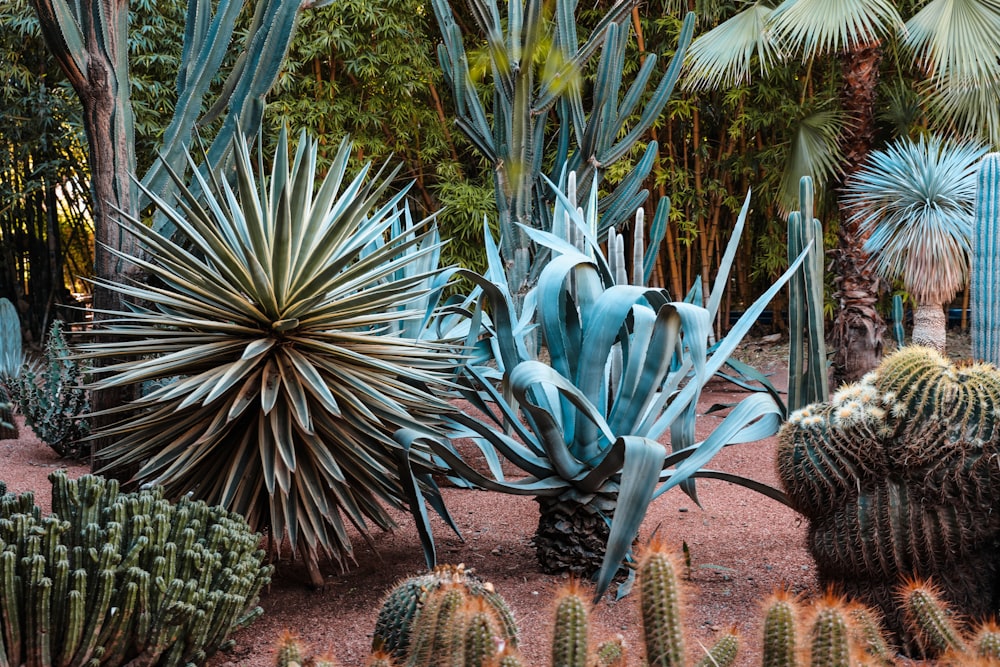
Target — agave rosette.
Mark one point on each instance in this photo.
(626, 367)
(268, 329)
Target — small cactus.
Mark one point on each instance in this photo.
(395, 618)
(781, 624)
(660, 599)
(569, 636)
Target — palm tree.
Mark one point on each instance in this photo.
(914, 201)
(961, 90)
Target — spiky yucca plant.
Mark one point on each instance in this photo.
(288, 388)
(915, 200)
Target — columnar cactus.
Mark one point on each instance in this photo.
(984, 281)
(897, 477)
(807, 368)
(122, 578)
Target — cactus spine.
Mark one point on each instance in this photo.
(984, 288)
(122, 578)
(807, 377)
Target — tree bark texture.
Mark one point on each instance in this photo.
(89, 39)
(858, 329)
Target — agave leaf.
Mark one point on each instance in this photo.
(641, 459)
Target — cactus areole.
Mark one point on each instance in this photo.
(897, 475)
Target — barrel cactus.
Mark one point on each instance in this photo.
(116, 579)
(897, 476)
(395, 618)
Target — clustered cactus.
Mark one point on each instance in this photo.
(52, 397)
(111, 578)
(457, 627)
(897, 475)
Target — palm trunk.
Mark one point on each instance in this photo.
(930, 325)
(572, 536)
(858, 329)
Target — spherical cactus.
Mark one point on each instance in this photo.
(395, 618)
(897, 476)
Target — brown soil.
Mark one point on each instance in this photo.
(742, 546)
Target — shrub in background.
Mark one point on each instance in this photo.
(116, 579)
(52, 398)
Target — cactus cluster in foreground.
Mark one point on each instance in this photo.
(897, 475)
(456, 627)
(115, 578)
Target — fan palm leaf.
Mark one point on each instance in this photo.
(815, 27)
(725, 55)
(281, 388)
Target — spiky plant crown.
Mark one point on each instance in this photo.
(283, 389)
(915, 200)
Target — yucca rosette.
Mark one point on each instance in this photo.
(265, 326)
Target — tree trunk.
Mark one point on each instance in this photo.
(99, 75)
(858, 329)
(930, 324)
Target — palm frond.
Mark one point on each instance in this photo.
(725, 56)
(817, 27)
(957, 39)
(915, 199)
(814, 151)
(971, 107)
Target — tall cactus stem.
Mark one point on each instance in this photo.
(807, 377)
(780, 631)
(569, 636)
(660, 601)
(930, 618)
(984, 283)
(829, 636)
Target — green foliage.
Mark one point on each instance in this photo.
(535, 63)
(52, 398)
(288, 389)
(892, 475)
(367, 69)
(984, 299)
(122, 578)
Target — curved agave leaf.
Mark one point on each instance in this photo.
(288, 388)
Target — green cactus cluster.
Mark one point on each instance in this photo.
(410, 596)
(115, 578)
(897, 477)
(456, 628)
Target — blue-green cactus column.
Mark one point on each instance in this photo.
(985, 275)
